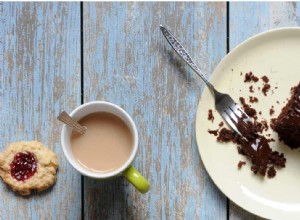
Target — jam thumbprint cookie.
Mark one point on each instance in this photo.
(28, 166)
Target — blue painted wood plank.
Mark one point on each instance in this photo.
(128, 62)
(39, 76)
(248, 19)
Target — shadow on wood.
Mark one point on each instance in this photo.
(34, 194)
(108, 198)
(179, 66)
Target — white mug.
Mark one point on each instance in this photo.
(131, 174)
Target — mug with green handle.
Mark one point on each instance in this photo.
(127, 170)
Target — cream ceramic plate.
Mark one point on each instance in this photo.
(276, 54)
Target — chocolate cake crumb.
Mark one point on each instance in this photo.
(293, 90)
(265, 79)
(270, 139)
(251, 89)
(271, 172)
(276, 87)
(241, 73)
(240, 150)
(214, 132)
(242, 100)
(250, 77)
(277, 159)
(266, 88)
(272, 123)
(258, 88)
(210, 115)
(262, 157)
(221, 124)
(241, 163)
(254, 78)
(272, 110)
(226, 135)
(277, 102)
(265, 123)
(262, 126)
(251, 112)
(259, 112)
(253, 99)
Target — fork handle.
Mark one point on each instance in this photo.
(180, 50)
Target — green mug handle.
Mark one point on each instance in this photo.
(136, 179)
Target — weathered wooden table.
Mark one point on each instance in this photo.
(55, 56)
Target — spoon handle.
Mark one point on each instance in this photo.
(65, 118)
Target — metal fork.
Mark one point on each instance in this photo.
(225, 105)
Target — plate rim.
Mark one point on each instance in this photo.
(237, 47)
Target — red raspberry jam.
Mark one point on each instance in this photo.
(23, 166)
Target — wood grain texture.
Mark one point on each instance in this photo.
(248, 19)
(39, 76)
(128, 62)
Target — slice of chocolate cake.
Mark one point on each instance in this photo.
(287, 125)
